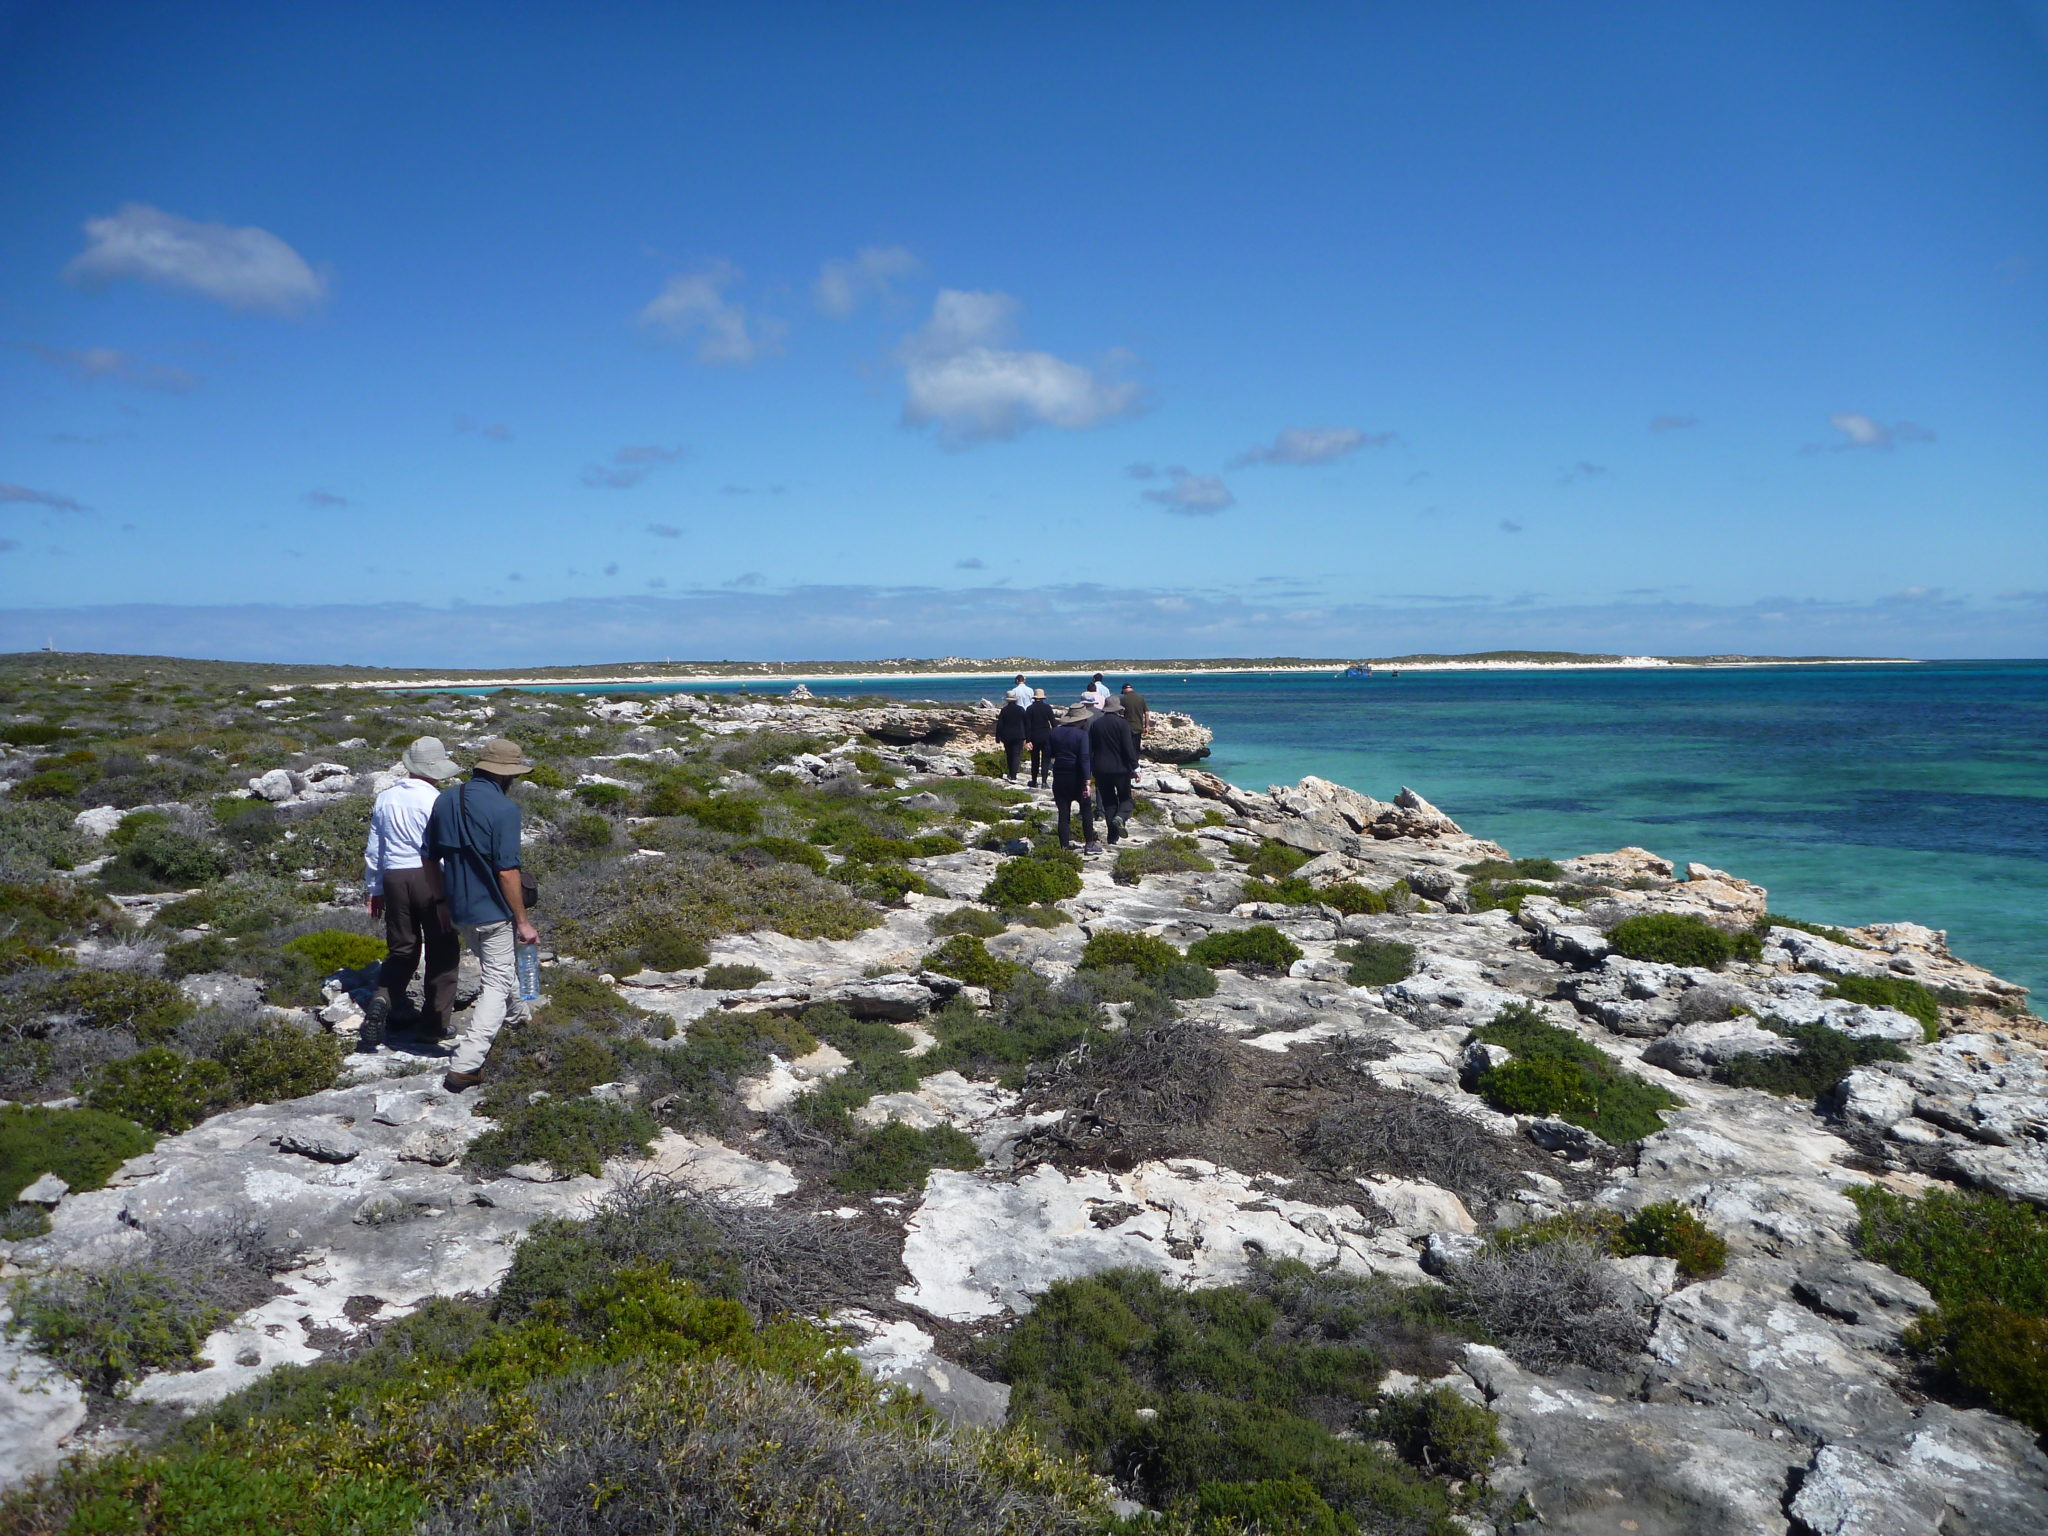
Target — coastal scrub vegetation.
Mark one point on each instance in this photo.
(1902, 993)
(1985, 1261)
(1680, 938)
(1259, 949)
(1552, 1071)
(1825, 1056)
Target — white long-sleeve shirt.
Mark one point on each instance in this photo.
(398, 828)
(1022, 694)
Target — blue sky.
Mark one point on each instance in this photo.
(520, 333)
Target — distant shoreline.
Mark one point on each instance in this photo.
(1153, 669)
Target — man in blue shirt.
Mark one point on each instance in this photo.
(474, 832)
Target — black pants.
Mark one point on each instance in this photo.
(1013, 753)
(1114, 791)
(1067, 793)
(413, 908)
(1040, 769)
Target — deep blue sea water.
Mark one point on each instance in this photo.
(1855, 793)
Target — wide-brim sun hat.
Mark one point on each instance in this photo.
(1076, 714)
(426, 758)
(1115, 706)
(502, 756)
(1038, 693)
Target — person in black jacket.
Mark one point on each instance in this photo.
(1135, 711)
(1038, 724)
(1114, 751)
(1010, 732)
(1072, 764)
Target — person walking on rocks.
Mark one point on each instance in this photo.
(1072, 766)
(1135, 712)
(1115, 754)
(1021, 693)
(1011, 734)
(1038, 725)
(404, 888)
(474, 832)
(1096, 694)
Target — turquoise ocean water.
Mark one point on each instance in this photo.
(1855, 793)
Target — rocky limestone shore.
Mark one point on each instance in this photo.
(1773, 1397)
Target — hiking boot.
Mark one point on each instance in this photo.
(456, 1082)
(376, 1015)
(1093, 848)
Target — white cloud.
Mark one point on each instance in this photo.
(693, 305)
(1312, 445)
(629, 466)
(1860, 431)
(961, 377)
(90, 364)
(50, 499)
(842, 284)
(1192, 495)
(246, 268)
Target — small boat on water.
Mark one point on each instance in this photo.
(1363, 669)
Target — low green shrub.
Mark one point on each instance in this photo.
(160, 1089)
(1171, 855)
(1989, 1354)
(1347, 897)
(789, 850)
(1900, 992)
(968, 920)
(1555, 1072)
(886, 883)
(1441, 1432)
(1261, 948)
(1274, 861)
(337, 949)
(603, 797)
(1772, 920)
(1499, 896)
(967, 959)
(1825, 1056)
(738, 814)
(49, 784)
(270, 1061)
(82, 1147)
(732, 978)
(46, 912)
(1377, 962)
(1143, 953)
(1041, 877)
(1963, 1245)
(1181, 1393)
(1033, 1022)
(1288, 1505)
(146, 1007)
(1514, 869)
(113, 1326)
(991, 763)
(568, 1135)
(1669, 1230)
(1679, 938)
(896, 1157)
(194, 957)
(673, 951)
(37, 838)
(589, 830)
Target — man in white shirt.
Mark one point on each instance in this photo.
(405, 890)
(1021, 694)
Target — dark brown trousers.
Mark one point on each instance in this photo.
(414, 909)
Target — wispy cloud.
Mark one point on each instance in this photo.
(1192, 495)
(971, 563)
(324, 499)
(961, 377)
(1312, 445)
(665, 530)
(692, 306)
(1582, 470)
(843, 283)
(1673, 423)
(1509, 525)
(629, 466)
(1860, 431)
(245, 268)
(93, 364)
(496, 431)
(21, 495)
(748, 579)
(1142, 471)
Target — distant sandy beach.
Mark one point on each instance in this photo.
(791, 679)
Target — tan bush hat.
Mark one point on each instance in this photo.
(503, 757)
(1077, 714)
(428, 759)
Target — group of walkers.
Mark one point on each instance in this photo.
(1094, 741)
(442, 869)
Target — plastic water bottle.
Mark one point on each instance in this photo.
(528, 960)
